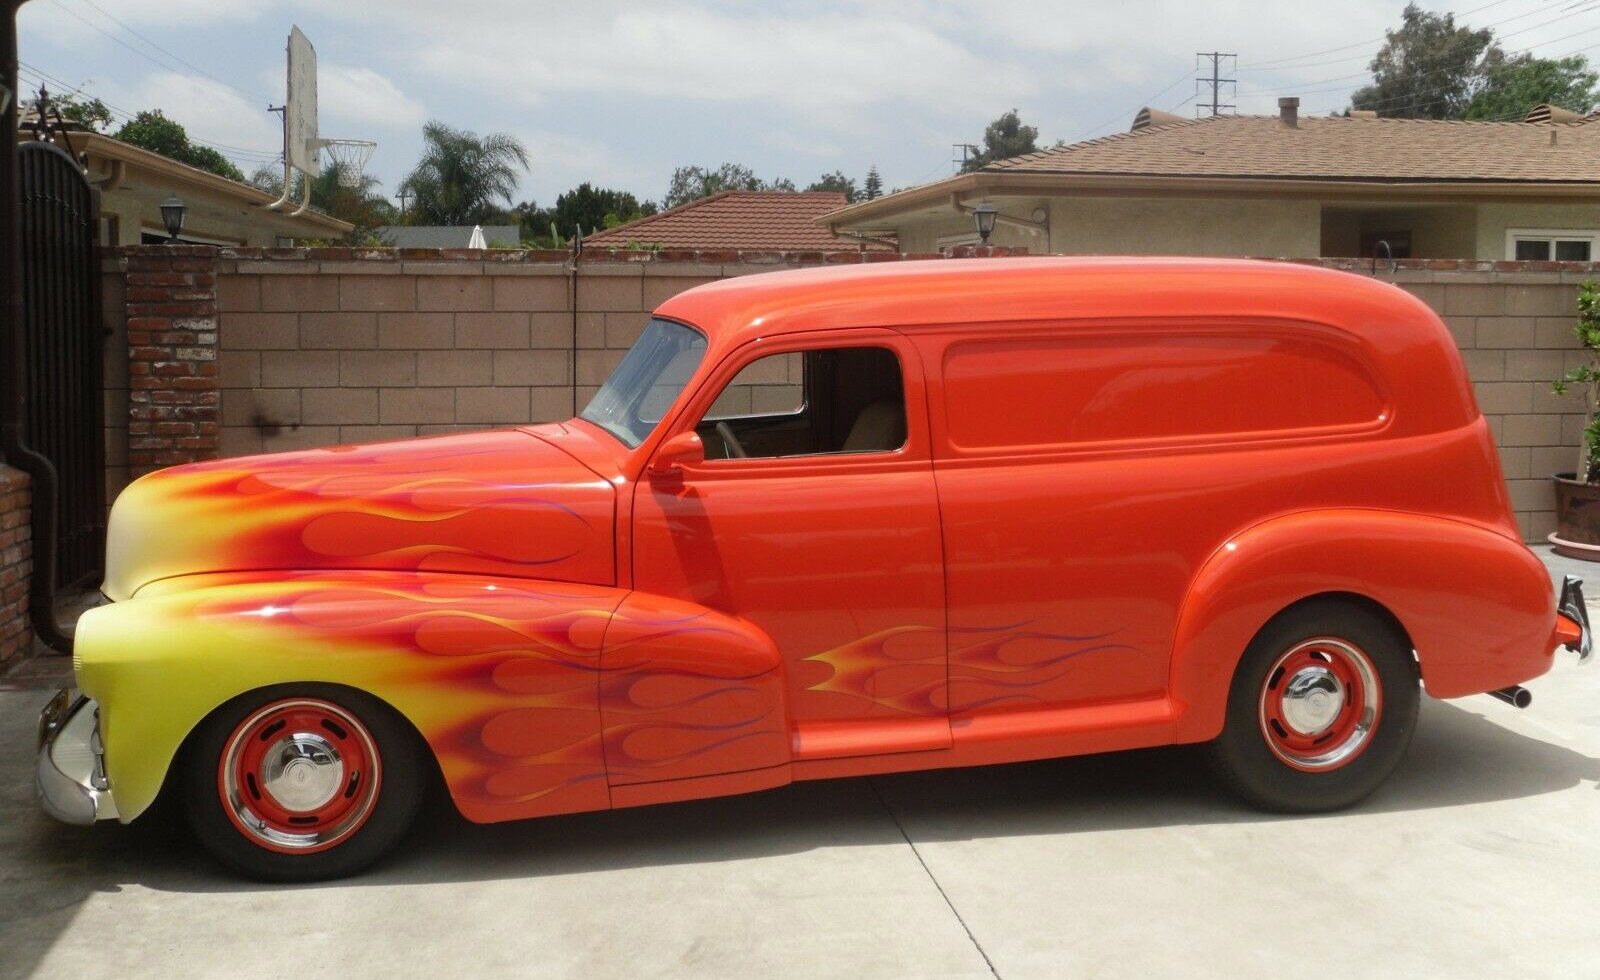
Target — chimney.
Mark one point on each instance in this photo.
(1289, 111)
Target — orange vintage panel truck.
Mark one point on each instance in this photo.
(828, 522)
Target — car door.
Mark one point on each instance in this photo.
(825, 536)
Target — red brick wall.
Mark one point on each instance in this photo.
(174, 405)
(16, 562)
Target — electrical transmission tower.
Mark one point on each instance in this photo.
(1214, 80)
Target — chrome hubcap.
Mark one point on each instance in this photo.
(299, 775)
(1319, 704)
(302, 772)
(1312, 699)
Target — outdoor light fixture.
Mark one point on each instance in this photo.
(984, 214)
(172, 216)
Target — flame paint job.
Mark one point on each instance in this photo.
(488, 503)
(569, 633)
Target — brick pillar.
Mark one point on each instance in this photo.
(16, 563)
(174, 400)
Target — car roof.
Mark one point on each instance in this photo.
(935, 292)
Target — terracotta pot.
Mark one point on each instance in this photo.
(1577, 533)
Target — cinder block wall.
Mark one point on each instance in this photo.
(322, 346)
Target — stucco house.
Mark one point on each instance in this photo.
(1281, 185)
(134, 181)
(780, 221)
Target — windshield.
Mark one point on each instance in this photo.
(647, 382)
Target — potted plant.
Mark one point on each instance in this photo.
(1577, 533)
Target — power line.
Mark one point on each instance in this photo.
(1304, 88)
(1410, 96)
(39, 76)
(1359, 44)
(144, 54)
(1269, 66)
(1186, 76)
(187, 64)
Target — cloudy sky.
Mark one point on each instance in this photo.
(621, 93)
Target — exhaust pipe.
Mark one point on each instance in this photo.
(1516, 695)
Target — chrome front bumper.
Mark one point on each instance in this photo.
(1571, 606)
(71, 773)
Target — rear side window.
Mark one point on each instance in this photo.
(1136, 387)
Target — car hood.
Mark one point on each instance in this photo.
(503, 502)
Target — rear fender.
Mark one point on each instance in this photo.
(498, 675)
(1477, 605)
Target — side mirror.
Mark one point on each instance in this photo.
(682, 449)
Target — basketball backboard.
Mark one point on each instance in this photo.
(301, 147)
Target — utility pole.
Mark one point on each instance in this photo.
(402, 194)
(967, 151)
(1214, 79)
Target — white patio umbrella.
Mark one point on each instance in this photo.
(477, 240)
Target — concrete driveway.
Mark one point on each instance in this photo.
(1480, 858)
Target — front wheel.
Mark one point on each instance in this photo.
(301, 783)
(1321, 709)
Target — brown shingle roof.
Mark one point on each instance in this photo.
(1335, 147)
(761, 220)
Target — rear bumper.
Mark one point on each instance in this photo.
(70, 772)
(1572, 620)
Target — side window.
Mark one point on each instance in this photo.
(809, 403)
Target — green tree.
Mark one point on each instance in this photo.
(692, 183)
(585, 208)
(361, 204)
(1514, 85)
(463, 179)
(91, 114)
(1429, 68)
(874, 184)
(838, 183)
(1004, 138)
(153, 131)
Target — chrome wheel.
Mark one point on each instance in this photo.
(1319, 704)
(299, 776)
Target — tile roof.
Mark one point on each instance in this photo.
(1335, 147)
(760, 220)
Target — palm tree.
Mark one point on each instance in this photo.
(462, 179)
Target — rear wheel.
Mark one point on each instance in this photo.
(1320, 711)
(300, 783)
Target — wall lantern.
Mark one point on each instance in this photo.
(172, 216)
(984, 214)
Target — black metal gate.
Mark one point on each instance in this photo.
(60, 288)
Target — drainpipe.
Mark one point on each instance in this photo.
(13, 355)
(863, 239)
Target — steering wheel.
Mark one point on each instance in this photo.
(731, 441)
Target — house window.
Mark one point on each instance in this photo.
(1546, 244)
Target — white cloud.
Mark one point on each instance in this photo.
(361, 96)
(818, 65)
(208, 111)
(563, 160)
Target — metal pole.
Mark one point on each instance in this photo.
(14, 364)
(11, 350)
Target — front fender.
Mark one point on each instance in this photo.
(498, 675)
(1477, 605)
